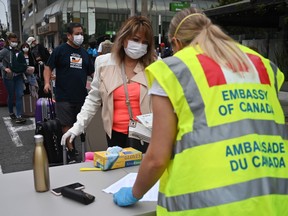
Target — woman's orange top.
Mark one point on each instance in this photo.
(121, 114)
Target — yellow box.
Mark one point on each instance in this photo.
(127, 157)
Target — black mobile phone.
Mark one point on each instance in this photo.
(76, 186)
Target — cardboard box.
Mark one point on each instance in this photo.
(127, 157)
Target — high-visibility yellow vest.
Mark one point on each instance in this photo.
(231, 153)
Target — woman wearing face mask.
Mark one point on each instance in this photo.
(132, 51)
(13, 67)
(29, 77)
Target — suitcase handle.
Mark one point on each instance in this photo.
(51, 105)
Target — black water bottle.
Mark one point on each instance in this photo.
(40, 165)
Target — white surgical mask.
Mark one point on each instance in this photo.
(135, 50)
(13, 44)
(78, 40)
(25, 49)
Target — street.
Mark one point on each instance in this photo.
(17, 143)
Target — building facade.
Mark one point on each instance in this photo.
(47, 19)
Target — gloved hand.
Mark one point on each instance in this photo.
(66, 136)
(124, 197)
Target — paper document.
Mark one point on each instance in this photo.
(128, 181)
(146, 119)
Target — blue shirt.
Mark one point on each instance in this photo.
(72, 65)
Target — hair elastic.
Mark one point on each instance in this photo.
(183, 20)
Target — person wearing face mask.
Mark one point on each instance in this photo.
(72, 64)
(13, 67)
(40, 55)
(132, 51)
(209, 144)
(29, 76)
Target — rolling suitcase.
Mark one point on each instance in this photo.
(3, 94)
(83, 139)
(29, 105)
(51, 130)
(44, 109)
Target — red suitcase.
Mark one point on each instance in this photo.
(3, 94)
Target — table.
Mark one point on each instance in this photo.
(18, 196)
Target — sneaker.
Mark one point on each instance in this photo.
(20, 120)
(12, 116)
(71, 156)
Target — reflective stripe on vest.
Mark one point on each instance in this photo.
(178, 201)
(223, 195)
(244, 127)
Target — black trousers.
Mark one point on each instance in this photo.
(122, 140)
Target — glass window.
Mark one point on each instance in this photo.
(101, 26)
(76, 5)
(122, 4)
(101, 6)
(64, 7)
(84, 7)
(112, 5)
(91, 3)
(160, 5)
(70, 5)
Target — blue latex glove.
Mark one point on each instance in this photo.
(114, 150)
(124, 197)
(112, 156)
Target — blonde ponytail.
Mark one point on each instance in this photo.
(200, 31)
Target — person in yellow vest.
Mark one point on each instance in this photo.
(219, 140)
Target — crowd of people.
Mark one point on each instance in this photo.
(207, 148)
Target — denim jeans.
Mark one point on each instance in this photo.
(15, 87)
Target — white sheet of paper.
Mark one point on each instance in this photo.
(128, 181)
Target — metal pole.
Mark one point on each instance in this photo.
(159, 37)
(144, 8)
(133, 5)
(20, 23)
(34, 21)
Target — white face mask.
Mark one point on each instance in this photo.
(25, 49)
(78, 40)
(13, 44)
(135, 50)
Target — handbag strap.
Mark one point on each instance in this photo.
(126, 92)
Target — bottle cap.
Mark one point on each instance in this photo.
(38, 138)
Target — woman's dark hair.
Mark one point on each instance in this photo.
(25, 45)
